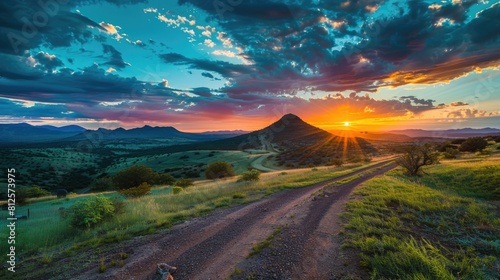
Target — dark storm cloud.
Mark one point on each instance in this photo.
(299, 42)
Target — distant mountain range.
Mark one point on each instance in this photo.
(290, 130)
(449, 133)
(26, 133)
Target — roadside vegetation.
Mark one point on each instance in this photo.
(442, 225)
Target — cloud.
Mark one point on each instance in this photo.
(115, 57)
(47, 61)
(224, 53)
(208, 75)
(339, 45)
(202, 91)
(458, 103)
(111, 29)
(209, 43)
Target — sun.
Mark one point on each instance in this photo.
(347, 124)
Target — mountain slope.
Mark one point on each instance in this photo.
(147, 132)
(297, 142)
(26, 133)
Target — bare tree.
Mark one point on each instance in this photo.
(416, 156)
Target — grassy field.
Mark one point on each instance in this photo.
(46, 235)
(443, 225)
(189, 164)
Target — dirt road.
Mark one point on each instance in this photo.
(212, 247)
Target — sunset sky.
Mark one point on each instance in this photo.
(203, 65)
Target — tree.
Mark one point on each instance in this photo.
(61, 193)
(134, 176)
(415, 157)
(219, 169)
(165, 179)
(473, 144)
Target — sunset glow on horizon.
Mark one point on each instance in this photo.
(338, 65)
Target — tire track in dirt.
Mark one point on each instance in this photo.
(211, 247)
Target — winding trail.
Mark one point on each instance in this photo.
(212, 247)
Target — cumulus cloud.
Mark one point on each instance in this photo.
(209, 43)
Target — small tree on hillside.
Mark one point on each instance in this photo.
(219, 169)
(473, 144)
(165, 179)
(415, 157)
(134, 176)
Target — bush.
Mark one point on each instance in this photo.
(36, 191)
(218, 170)
(138, 191)
(252, 175)
(184, 182)
(176, 190)
(134, 176)
(337, 162)
(450, 153)
(119, 205)
(61, 193)
(474, 144)
(90, 212)
(103, 184)
(165, 179)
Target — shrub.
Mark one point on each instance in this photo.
(473, 144)
(90, 212)
(138, 191)
(219, 169)
(165, 179)
(252, 175)
(176, 190)
(451, 153)
(119, 205)
(36, 191)
(103, 184)
(61, 193)
(134, 176)
(184, 182)
(337, 162)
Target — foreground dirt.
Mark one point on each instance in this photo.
(213, 246)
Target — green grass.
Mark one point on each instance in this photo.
(439, 226)
(257, 248)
